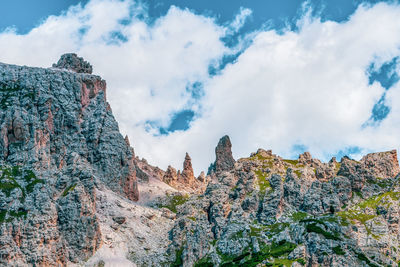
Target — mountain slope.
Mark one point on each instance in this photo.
(70, 186)
(272, 211)
(58, 140)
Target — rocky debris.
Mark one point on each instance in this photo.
(119, 219)
(274, 211)
(141, 240)
(224, 160)
(71, 61)
(58, 142)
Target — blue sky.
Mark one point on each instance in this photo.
(26, 14)
(288, 75)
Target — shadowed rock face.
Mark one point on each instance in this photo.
(224, 160)
(72, 62)
(58, 142)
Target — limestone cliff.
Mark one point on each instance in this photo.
(270, 211)
(58, 142)
(69, 192)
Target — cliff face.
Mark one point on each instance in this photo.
(69, 186)
(58, 142)
(277, 212)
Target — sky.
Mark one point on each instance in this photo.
(291, 76)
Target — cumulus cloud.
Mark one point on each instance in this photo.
(307, 88)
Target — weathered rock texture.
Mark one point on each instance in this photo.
(68, 182)
(58, 142)
(224, 160)
(277, 212)
(186, 180)
(74, 63)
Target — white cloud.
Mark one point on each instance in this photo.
(306, 87)
(240, 19)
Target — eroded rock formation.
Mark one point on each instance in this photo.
(184, 180)
(58, 141)
(71, 61)
(224, 160)
(274, 211)
(69, 186)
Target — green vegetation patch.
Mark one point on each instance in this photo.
(299, 216)
(364, 258)
(301, 261)
(291, 161)
(178, 258)
(68, 189)
(7, 93)
(192, 218)
(316, 229)
(174, 201)
(15, 177)
(283, 262)
(204, 262)
(298, 173)
(263, 183)
(338, 250)
(276, 253)
(9, 177)
(359, 214)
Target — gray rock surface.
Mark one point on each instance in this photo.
(58, 142)
(69, 186)
(278, 212)
(71, 61)
(224, 160)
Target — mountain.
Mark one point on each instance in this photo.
(73, 192)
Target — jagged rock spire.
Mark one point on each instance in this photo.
(224, 160)
(187, 172)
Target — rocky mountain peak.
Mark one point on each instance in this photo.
(59, 142)
(69, 192)
(184, 180)
(71, 61)
(187, 172)
(224, 160)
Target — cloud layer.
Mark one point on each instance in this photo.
(307, 88)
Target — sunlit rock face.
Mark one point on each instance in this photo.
(69, 192)
(72, 62)
(269, 211)
(58, 142)
(224, 160)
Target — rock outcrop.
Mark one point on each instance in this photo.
(224, 160)
(270, 211)
(58, 142)
(187, 172)
(69, 192)
(74, 63)
(184, 180)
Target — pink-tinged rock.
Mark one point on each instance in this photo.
(382, 164)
